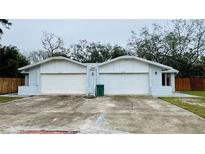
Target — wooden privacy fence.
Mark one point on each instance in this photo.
(188, 84)
(10, 85)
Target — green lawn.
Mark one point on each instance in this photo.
(197, 93)
(7, 99)
(199, 110)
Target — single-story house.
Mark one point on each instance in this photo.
(125, 75)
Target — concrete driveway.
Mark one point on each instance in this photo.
(114, 114)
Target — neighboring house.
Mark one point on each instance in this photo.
(125, 75)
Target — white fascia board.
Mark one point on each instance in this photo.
(137, 58)
(24, 72)
(47, 60)
(171, 71)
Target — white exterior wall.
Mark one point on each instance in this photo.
(62, 66)
(161, 91)
(155, 79)
(28, 90)
(34, 75)
(91, 82)
(131, 70)
(32, 85)
(52, 67)
(173, 82)
(156, 88)
(26, 80)
(125, 76)
(111, 72)
(125, 66)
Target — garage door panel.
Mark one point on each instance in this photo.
(63, 83)
(125, 83)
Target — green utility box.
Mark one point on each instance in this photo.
(99, 90)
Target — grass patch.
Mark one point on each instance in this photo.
(8, 99)
(196, 93)
(199, 110)
(202, 100)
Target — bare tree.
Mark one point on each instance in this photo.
(52, 45)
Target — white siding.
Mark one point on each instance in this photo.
(34, 76)
(124, 77)
(62, 66)
(26, 80)
(28, 90)
(156, 88)
(161, 91)
(53, 68)
(125, 66)
(155, 76)
(173, 82)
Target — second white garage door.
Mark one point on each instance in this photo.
(63, 83)
(119, 84)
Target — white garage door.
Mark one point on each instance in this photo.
(63, 83)
(134, 84)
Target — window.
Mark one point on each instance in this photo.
(163, 79)
(166, 79)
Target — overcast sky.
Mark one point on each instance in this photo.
(27, 34)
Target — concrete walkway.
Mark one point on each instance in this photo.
(177, 94)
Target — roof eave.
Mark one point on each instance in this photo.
(47, 60)
(137, 58)
(171, 71)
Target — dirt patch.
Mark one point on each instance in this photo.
(120, 98)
